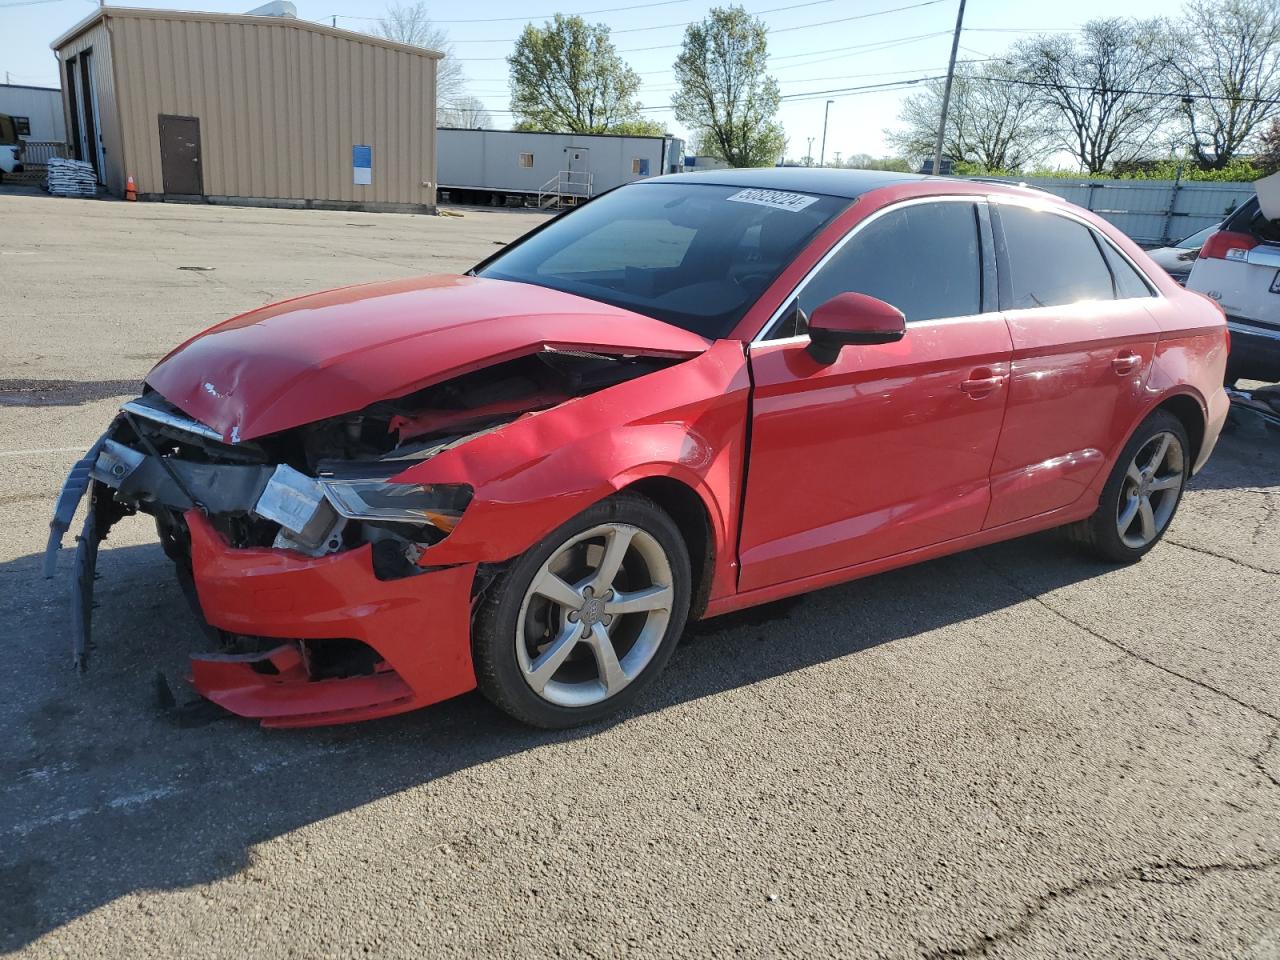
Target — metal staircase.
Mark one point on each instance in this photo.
(567, 188)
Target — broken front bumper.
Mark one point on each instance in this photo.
(417, 626)
(420, 626)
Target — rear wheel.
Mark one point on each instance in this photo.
(576, 627)
(1141, 495)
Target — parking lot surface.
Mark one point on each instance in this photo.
(1006, 753)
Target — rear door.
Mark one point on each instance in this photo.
(889, 448)
(1083, 343)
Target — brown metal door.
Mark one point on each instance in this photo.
(180, 156)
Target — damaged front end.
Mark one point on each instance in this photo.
(302, 550)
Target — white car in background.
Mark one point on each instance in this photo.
(10, 146)
(1239, 268)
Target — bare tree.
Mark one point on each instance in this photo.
(1099, 88)
(1226, 56)
(411, 24)
(994, 122)
(468, 112)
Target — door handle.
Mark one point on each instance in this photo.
(1126, 363)
(982, 386)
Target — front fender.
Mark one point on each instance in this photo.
(687, 421)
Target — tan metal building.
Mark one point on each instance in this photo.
(250, 109)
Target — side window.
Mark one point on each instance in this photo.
(925, 259)
(1129, 282)
(526, 159)
(1052, 260)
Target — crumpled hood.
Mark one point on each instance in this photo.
(333, 353)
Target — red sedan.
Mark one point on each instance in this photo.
(691, 395)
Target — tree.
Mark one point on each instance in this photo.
(993, 124)
(1226, 56)
(1098, 88)
(567, 76)
(724, 95)
(410, 24)
(467, 112)
(864, 161)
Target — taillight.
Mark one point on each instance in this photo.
(1228, 245)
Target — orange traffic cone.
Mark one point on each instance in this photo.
(130, 191)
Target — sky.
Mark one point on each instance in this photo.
(815, 46)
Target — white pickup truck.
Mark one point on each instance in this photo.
(10, 146)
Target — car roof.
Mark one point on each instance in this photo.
(826, 180)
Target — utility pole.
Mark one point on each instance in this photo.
(837, 158)
(946, 94)
(808, 154)
(822, 160)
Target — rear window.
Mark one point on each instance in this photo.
(1129, 282)
(1249, 219)
(1053, 261)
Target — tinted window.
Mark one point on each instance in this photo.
(1129, 282)
(924, 259)
(694, 255)
(1052, 260)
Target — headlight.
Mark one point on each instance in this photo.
(439, 505)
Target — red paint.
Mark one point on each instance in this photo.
(878, 453)
(965, 432)
(332, 353)
(419, 625)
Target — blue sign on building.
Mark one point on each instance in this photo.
(362, 164)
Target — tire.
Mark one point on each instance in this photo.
(1135, 478)
(551, 642)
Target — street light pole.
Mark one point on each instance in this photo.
(946, 94)
(822, 160)
(808, 154)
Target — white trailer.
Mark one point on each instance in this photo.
(37, 112)
(511, 167)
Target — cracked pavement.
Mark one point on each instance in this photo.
(1015, 752)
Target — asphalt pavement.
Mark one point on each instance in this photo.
(1013, 752)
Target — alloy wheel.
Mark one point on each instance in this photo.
(1150, 491)
(594, 615)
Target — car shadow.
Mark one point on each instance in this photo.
(110, 787)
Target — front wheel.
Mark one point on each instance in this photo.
(576, 627)
(1141, 495)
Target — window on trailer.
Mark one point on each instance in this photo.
(526, 159)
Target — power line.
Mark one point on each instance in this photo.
(1180, 94)
(532, 16)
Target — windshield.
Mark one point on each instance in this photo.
(693, 255)
(1196, 240)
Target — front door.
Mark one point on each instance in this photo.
(889, 448)
(1083, 343)
(180, 156)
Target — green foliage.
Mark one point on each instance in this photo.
(725, 97)
(1237, 171)
(567, 77)
(638, 128)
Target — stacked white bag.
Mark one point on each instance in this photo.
(72, 178)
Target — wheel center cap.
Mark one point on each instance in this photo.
(592, 611)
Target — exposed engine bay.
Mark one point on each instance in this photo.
(317, 489)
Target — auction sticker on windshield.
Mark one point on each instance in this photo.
(773, 198)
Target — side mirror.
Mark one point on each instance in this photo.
(852, 318)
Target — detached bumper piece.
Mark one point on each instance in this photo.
(418, 626)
